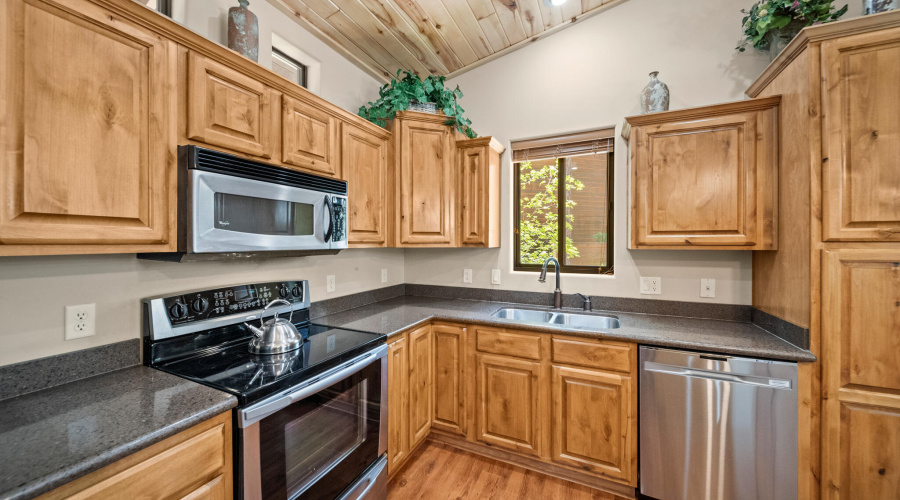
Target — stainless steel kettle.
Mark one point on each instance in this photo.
(277, 335)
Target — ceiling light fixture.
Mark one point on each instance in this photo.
(554, 3)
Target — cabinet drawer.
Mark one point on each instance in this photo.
(509, 343)
(592, 354)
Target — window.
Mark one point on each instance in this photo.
(161, 6)
(573, 223)
(288, 67)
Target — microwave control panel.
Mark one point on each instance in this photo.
(218, 302)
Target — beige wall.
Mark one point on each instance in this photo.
(590, 76)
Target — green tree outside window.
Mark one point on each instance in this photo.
(539, 213)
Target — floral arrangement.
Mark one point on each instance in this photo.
(771, 15)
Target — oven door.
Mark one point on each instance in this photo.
(233, 214)
(318, 439)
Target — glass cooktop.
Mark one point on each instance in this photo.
(231, 367)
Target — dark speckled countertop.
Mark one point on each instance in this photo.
(727, 337)
(53, 436)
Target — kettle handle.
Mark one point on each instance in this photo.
(276, 311)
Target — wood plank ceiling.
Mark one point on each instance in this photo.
(438, 37)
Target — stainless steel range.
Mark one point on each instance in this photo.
(312, 415)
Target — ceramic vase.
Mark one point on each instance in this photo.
(243, 31)
(876, 6)
(655, 97)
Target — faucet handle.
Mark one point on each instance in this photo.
(587, 301)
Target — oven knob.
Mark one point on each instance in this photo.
(297, 291)
(199, 305)
(284, 291)
(178, 310)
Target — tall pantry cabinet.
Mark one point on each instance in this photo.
(837, 268)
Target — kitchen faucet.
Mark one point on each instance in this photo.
(557, 294)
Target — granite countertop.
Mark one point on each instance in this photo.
(726, 337)
(53, 436)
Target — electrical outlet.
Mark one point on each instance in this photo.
(384, 275)
(467, 275)
(495, 276)
(707, 287)
(80, 321)
(651, 286)
(329, 283)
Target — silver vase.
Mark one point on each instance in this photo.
(876, 6)
(655, 97)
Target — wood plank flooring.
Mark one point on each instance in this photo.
(441, 472)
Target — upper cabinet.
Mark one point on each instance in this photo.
(365, 157)
(228, 109)
(861, 137)
(310, 137)
(706, 177)
(479, 192)
(89, 131)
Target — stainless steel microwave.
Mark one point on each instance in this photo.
(232, 206)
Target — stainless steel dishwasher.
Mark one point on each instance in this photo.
(717, 427)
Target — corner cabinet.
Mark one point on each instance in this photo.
(479, 192)
(89, 131)
(706, 177)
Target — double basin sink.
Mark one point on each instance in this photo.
(568, 319)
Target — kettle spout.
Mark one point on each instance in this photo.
(256, 331)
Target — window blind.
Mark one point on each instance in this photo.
(594, 141)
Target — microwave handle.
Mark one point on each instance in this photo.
(330, 208)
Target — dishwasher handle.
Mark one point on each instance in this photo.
(771, 383)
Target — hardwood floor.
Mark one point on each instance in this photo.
(438, 471)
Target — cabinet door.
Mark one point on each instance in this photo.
(364, 163)
(508, 400)
(861, 375)
(426, 184)
(88, 131)
(229, 109)
(213, 490)
(705, 183)
(449, 369)
(398, 402)
(473, 188)
(421, 385)
(309, 137)
(595, 422)
(861, 177)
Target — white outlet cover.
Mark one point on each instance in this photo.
(467, 275)
(707, 288)
(384, 275)
(81, 321)
(329, 283)
(651, 286)
(495, 276)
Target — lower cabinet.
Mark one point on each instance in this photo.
(508, 401)
(398, 402)
(195, 464)
(449, 378)
(421, 386)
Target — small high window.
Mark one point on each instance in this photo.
(288, 67)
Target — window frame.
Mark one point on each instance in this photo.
(304, 68)
(561, 240)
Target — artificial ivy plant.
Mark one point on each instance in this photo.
(408, 87)
(771, 15)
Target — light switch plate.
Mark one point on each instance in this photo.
(467, 275)
(329, 283)
(495, 276)
(651, 286)
(707, 287)
(80, 321)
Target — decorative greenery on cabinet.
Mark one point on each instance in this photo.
(770, 17)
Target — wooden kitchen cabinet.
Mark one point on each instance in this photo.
(398, 402)
(706, 177)
(310, 137)
(365, 157)
(89, 134)
(421, 384)
(229, 109)
(479, 192)
(194, 464)
(861, 168)
(861, 376)
(449, 378)
(425, 180)
(509, 403)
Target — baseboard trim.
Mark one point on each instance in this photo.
(560, 472)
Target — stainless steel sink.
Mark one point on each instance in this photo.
(569, 319)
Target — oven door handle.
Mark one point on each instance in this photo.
(263, 409)
(330, 208)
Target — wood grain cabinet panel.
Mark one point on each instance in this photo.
(595, 422)
(508, 403)
(364, 165)
(89, 131)
(479, 192)
(449, 377)
(421, 384)
(606, 355)
(229, 109)
(508, 343)
(309, 137)
(705, 177)
(861, 173)
(398, 403)
(861, 376)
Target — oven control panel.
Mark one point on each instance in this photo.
(210, 304)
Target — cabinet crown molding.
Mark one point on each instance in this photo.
(704, 111)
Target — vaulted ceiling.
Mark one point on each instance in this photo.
(439, 37)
